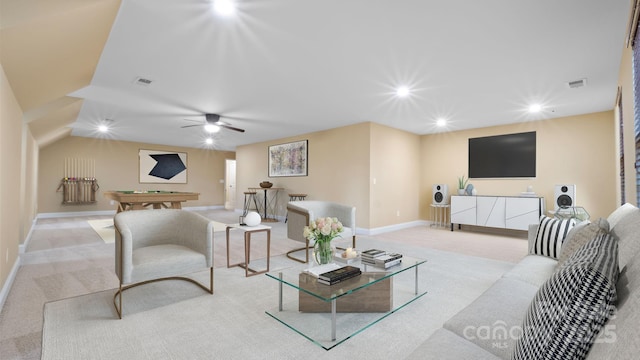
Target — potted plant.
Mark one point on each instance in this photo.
(462, 184)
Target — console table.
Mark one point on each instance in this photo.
(270, 203)
(504, 212)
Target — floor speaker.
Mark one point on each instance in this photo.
(440, 194)
(564, 196)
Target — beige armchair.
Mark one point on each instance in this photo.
(154, 245)
(300, 213)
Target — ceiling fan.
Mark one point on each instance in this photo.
(214, 119)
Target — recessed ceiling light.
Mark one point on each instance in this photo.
(224, 7)
(209, 141)
(402, 91)
(103, 128)
(441, 122)
(211, 128)
(535, 108)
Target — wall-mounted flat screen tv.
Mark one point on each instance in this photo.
(503, 156)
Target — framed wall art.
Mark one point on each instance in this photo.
(162, 167)
(288, 159)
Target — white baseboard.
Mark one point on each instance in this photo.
(23, 247)
(75, 213)
(7, 284)
(385, 229)
(204, 208)
(113, 212)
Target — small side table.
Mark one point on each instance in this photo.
(248, 230)
(439, 214)
(572, 212)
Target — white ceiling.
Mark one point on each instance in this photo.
(282, 68)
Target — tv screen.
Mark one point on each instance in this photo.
(503, 156)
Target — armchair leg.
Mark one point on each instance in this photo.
(306, 252)
(121, 288)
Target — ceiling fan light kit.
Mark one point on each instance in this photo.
(213, 124)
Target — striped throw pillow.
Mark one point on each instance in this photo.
(572, 306)
(550, 235)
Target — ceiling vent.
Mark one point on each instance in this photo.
(142, 81)
(577, 83)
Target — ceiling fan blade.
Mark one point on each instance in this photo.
(229, 127)
(186, 126)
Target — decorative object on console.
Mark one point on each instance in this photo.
(550, 236)
(322, 230)
(462, 183)
(564, 196)
(440, 194)
(266, 184)
(252, 219)
(529, 192)
(469, 189)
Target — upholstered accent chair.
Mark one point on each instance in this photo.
(301, 213)
(154, 245)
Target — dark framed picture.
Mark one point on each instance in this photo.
(288, 159)
(162, 167)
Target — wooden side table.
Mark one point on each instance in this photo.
(248, 230)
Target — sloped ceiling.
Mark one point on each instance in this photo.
(48, 49)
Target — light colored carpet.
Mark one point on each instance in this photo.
(176, 320)
(106, 231)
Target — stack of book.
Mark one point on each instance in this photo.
(380, 258)
(335, 276)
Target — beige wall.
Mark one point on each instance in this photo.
(14, 215)
(29, 183)
(625, 83)
(576, 150)
(116, 168)
(395, 165)
(338, 167)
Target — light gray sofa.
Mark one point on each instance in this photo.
(154, 245)
(492, 326)
(300, 213)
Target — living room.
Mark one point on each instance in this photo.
(385, 172)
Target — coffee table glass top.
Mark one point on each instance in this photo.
(329, 315)
(291, 277)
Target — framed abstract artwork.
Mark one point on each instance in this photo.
(288, 159)
(162, 167)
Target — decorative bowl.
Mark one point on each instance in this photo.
(266, 184)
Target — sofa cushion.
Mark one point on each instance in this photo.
(573, 305)
(619, 213)
(533, 269)
(445, 345)
(583, 233)
(153, 262)
(550, 235)
(627, 230)
(493, 320)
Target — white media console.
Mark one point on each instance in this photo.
(505, 212)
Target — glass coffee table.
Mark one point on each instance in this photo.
(330, 315)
